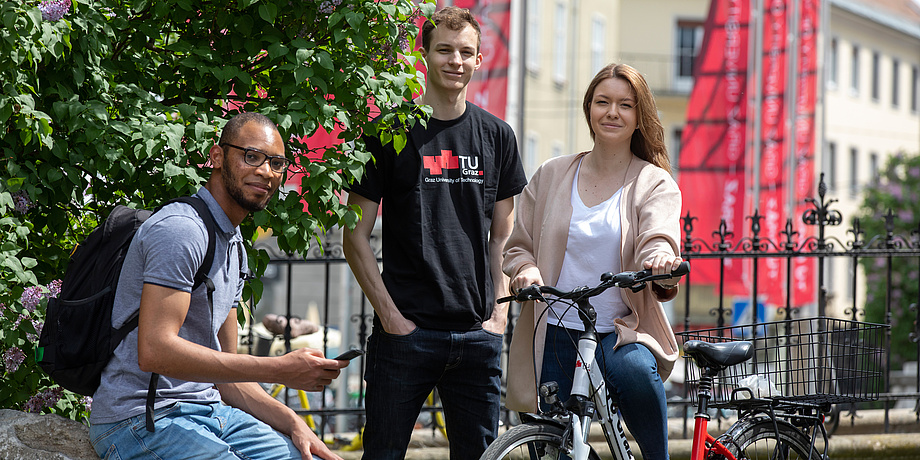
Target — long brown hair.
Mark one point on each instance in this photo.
(648, 140)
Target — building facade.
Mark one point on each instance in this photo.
(867, 93)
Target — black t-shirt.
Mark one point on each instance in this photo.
(438, 196)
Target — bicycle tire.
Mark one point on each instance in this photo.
(532, 441)
(758, 438)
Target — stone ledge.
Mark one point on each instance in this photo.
(25, 436)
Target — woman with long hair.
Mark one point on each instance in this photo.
(611, 209)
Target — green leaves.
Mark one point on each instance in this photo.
(119, 102)
(897, 191)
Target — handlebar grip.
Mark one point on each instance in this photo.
(505, 299)
(682, 270)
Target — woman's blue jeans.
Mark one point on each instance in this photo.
(632, 381)
(192, 431)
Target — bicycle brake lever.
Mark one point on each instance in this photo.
(638, 286)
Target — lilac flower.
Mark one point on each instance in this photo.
(403, 39)
(22, 202)
(12, 358)
(22, 317)
(45, 398)
(37, 324)
(54, 288)
(54, 10)
(31, 297)
(88, 402)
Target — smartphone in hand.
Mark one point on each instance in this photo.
(349, 355)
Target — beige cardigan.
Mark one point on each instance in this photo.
(650, 220)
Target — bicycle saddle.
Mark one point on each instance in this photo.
(718, 355)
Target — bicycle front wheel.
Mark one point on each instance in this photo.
(758, 438)
(531, 441)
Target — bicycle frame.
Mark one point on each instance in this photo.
(589, 393)
(589, 390)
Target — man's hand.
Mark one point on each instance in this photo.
(397, 324)
(496, 325)
(308, 370)
(309, 444)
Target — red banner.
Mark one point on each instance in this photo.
(804, 273)
(489, 87)
(773, 147)
(712, 158)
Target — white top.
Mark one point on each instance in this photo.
(593, 248)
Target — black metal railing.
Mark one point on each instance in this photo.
(323, 279)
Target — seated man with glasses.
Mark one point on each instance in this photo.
(207, 402)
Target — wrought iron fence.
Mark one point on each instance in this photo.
(324, 280)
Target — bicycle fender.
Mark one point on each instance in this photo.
(529, 417)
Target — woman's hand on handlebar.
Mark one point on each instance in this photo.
(663, 264)
(526, 277)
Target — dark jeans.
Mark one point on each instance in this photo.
(402, 371)
(633, 383)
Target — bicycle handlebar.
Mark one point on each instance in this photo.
(633, 280)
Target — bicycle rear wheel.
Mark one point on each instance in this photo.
(758, 438)
(531, 441)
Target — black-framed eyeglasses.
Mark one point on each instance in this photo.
(254, 157)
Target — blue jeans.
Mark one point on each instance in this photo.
(192, 431)
(632, 381)
(402, 371)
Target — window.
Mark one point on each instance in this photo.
(854, 172)
(689, 39)
(531, 146)
(534, 38)
(854, 71)
(557, 149)
(873, 168)
(876, 62)
(914, 87)
(830, 166)
(598, 42)
(561, 44)
(895, 82)
(851, 272)
(832, 63)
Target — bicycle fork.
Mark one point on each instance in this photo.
(589, 389)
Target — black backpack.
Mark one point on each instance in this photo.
(78, 340)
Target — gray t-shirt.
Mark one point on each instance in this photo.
(167, 251)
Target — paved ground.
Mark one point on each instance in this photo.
(854, 439)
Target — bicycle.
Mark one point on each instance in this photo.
(769, 424)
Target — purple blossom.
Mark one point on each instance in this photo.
(54, 10)
(22, 317)
(31, 297)
(88, 402)
(328, 6)
(12, 358)
(37, 324)
(54, 288)
(896, 190)
(45, 398)
(914, 172)
(22, 202)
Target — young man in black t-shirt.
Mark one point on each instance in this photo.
(448, 201)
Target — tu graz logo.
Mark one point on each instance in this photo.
(439, 167)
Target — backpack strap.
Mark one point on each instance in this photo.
(201, 277)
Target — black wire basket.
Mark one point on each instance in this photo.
(813, 360)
